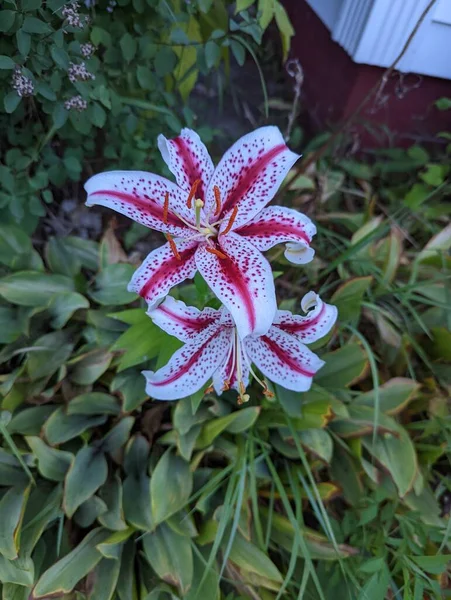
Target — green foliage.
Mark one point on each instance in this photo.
(340, 492)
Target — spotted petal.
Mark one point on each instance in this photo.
(283, 359)
(188, 160)
(183, 322)
(162, 270)
(141, 196)
(315, 325)
(242, 280)
(277, 224)
(250, 173)
(189, 368)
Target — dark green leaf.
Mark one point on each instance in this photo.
(94, 403)
(170, 555)
(30, 288)
(128, 46)
(35, 25)
(11, 101)
(170, 486)
(6, 62)
(64, 575)
(53, 464)
(111, 285)
(343, 367)
(12, 508)
(61, 427)
(48, 353)
(88, 472)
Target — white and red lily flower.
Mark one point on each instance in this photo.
(215, 221)
(213, 349)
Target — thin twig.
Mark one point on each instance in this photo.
(315, 156)
(295, 70)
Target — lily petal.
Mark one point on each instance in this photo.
(242, 280)
(162, 270)
(188, 160)
(276, 224)
(190, 367)
(250, 173)
(283, 359)
(141, 196)
(183, 322)
(315, 325)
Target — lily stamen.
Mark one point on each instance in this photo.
(175, 252)
(192, 193)
(218, 253)
(231, 221)
(218, 206)
(166, 208)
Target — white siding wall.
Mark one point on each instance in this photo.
(374, 32)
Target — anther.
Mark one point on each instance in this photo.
(218, 253)
(173, 247)
(192, 193)
(217, 194)
(209, 390)
(166, 208)
(243, 398)
(226, 385)
(231, 221)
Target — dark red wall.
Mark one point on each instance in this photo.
(334, 86)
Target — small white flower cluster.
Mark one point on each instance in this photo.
(87, 49)
(79, 72)
(111, 5)
(76, 103)
(70, 12)
(22, 84)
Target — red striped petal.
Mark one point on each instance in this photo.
(188, 159)
(315, 325)
(250, 173)
(277, 224)
(283, 359)
(183, 322)
(140, 196)
(161, 271)
(191, 367)
(242, 280)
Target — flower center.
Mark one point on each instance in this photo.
(239, 356)
(202, 226)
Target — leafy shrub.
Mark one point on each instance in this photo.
(81, 88)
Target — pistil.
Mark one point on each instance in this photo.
(198, 204)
